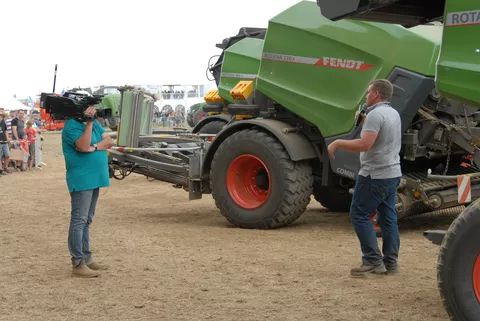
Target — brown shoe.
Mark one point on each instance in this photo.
(95, 266)
(82, 271)
(367, 270)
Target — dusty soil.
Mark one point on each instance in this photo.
(177, 260)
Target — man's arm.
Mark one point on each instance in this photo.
(362, 144)
(373, 123)
(105, 143)
(83, 143)
(6, 132)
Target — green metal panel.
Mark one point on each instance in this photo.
(147, 117)
(125, 121)
(458, 71)
(144, 120)
(321, 69)
(241, 62)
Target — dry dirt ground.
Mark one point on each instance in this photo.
(172, 259)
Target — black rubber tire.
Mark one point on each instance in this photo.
(190, 120)
(292, 182)
(213, 127)
(459, 251)
(196, 115)
(333, 198)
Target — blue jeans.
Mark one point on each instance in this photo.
(83, 210)
(370, 195)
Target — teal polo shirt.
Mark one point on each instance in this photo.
(85, 171)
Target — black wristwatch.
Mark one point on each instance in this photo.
(96, 147)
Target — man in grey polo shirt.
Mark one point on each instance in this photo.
(377, 182)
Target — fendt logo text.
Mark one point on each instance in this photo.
(330, 62)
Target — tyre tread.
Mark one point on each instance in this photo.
(449, 240)
(299, 181)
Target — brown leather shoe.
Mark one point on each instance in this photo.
(95, 266)
(83, 271)
(366, 270)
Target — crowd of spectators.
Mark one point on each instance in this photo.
(19, 130)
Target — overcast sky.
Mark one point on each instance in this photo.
(117, 42)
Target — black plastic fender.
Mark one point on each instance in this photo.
(298, 146)
(209, 118)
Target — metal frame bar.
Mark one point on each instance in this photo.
(155, 149)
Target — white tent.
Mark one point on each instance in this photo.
(10, 103)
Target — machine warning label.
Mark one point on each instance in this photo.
(278, 57)
(330, 62)
(236, 75)
(463, 18)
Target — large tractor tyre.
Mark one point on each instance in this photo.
(458, 269)
(213, 127)
(255, 184)
(333, 198)
(190, 120)
(198, 115)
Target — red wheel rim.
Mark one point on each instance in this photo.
(376, 227)
(248, 181)
(476, 278)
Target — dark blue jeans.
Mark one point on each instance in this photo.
(370, 195)
(83, 210)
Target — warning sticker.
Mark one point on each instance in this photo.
(237, 75)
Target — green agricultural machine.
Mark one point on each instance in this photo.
(108, 110)
(311, 79)
(239, 60)
(286, 92)
(458, 82)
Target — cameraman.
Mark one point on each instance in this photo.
(84, 144)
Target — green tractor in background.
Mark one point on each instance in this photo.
(108, 110)
(195, 114)
(457, 80)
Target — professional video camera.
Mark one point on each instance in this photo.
(70, 105)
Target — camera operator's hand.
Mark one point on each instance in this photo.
(90, 112)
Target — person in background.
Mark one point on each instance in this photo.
(18, 125)
(8, 121)
(4, 146)
(18, 130)
(24, 146)
(32, 136)
(30, 115)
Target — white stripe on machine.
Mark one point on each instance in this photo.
(464, 189)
